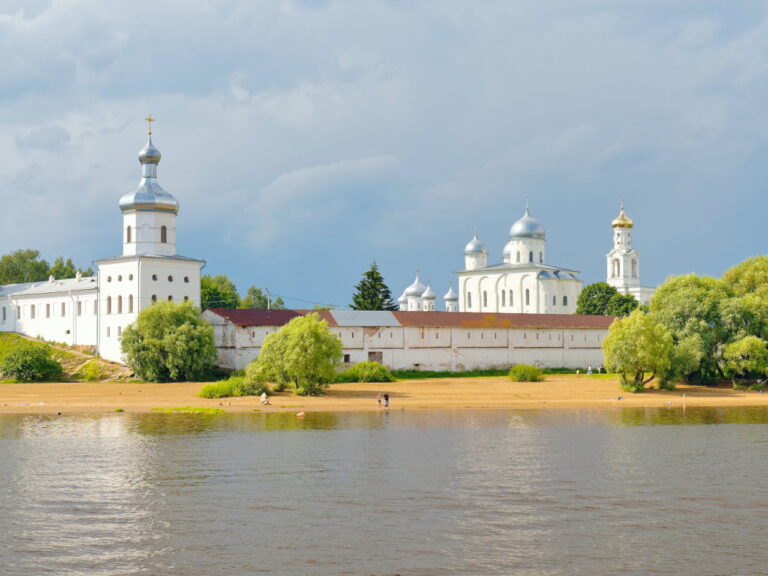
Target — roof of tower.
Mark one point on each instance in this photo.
(622, 220)
(428, 294)
(527, 227)
(149, 195)
(475, 246)
(451, 296)
(415, 289)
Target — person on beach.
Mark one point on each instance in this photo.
(264, 399)
(386, 401)
(589, 370)
(378, 400)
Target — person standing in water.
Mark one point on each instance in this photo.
(386, 401)
(378, 400)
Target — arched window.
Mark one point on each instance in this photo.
(503, 298)
(47, 310)
(79, 308)
(634, 268)
(63, 309)
(130, 303)
(109, 304)
(485, 299)
(170, 298)
(565, 300)
(518, 256)
(469, 300)
(530, 256)
(554, 300)
(154, 298)
(128, 235)
(511, 298)
(616, 268)
(163, 234)
(541, 257)
(119, 304)
(186, 298)
(527, 297)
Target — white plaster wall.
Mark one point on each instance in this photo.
(146, 233)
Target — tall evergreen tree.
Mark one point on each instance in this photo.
(372, 293)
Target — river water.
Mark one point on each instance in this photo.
(624, 491)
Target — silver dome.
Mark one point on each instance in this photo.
(428, 294)
(475, 246)
(415, 289)
(451, 296)
(149, 195)
(403, 299)
(527, 227)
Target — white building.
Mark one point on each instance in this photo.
(623, 261)
(426, 340)
(95, 311)
(523, 283)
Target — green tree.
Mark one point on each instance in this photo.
(371, 293)
(218, 292)
(23, 266)
(256, 299)
(621, 305)
(29, 361)
(62, 269)
(303, 353)
(747, 357)
(637, 345)
(595, 299)
(690, 306)
(169, 342)
(748, 277)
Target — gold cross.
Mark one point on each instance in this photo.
(149, 120)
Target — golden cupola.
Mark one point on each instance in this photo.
(622, 220)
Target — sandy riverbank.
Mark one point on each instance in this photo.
(567, 391)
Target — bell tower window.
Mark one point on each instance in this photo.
(128, 235)
(530, 256)
(163, 235)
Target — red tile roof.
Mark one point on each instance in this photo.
(442, 319)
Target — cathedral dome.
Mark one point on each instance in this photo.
(415, 289)
(451, 296)
(428, 294)
(403, 299)
(149, 195)
(527, 227)
(475, 246)
(622, 220)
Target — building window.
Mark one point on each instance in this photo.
(634, 268)
(3, 313)
(107, 331)
(95, 307)
(346, 359)
(119, 331)
(128, 235)
(79, 308)
(565, 300)
(130, 303)
(109, 278)
(186, 298)
(154, 276)
(63, 309)
(511, 299)
(120, 278)
(170, 278)
(541, 257)
(518, 256)
(469, 300)
(154, 298)
(163, 234)
(527, 297)
(119, 304)
(530, 256)
(47, 310)
(32, 311)
(18, 312)
(109, 304)
(503, 298)
(615, 272)
(170, 298)
(186, 279)
(485, 299)
(554, 300)
(130, 276)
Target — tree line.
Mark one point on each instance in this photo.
(23, 266)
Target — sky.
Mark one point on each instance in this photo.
(306, 139)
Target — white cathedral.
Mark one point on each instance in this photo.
(94, 311)
(523, 282)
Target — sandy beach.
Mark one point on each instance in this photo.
(558, 391)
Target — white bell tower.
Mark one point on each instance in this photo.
(623, 262)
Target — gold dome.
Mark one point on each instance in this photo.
(622, 220)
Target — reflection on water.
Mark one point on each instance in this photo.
(635, 491)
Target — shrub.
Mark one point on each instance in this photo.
(30, 362)
(231, 387)
(91, 371)
(367, 372)
(525, 373)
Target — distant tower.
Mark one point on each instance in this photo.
(413, 294)
(623, 261)
(428, 298)
(527, 241)
(451, 300)
(475, 254)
